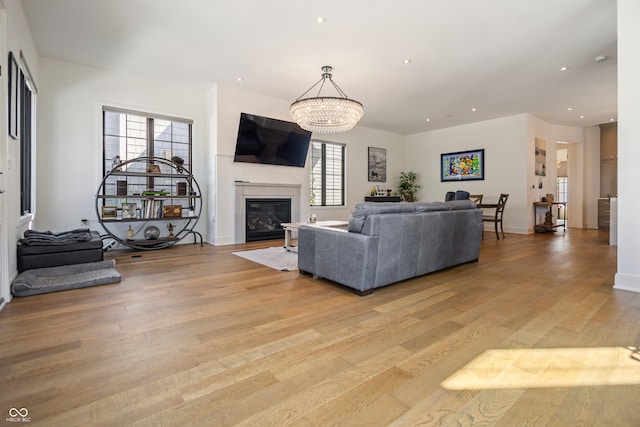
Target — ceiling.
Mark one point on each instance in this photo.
(501, 57)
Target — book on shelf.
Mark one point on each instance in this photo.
(152, 208)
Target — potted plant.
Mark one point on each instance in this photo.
(408, 186)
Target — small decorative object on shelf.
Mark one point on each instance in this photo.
(115, 163)
(130, 233)
(151, 232)
(153, 168)
(178, 161)
(170, 227)
(172, 211)
(121, 187)
(109, 211)
(129, 210)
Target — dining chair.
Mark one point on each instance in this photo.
(496, 218)
(476, 198)
(458, 195)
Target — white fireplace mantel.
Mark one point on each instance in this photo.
(254, 190)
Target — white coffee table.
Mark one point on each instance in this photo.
(291, 226)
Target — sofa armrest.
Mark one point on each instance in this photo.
(343, 257)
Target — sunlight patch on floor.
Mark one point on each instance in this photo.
(548, 367)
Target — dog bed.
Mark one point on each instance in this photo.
(65, 277)
(42, 249)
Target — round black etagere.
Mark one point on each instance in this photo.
(149, 191)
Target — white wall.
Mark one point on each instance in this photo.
(69, 159)
(628, 275)
(539, 186)
(506, 164)
(231, 101)
(15, 36)
(358, 140)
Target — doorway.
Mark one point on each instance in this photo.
(570, 182)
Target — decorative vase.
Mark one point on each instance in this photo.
(130, 233)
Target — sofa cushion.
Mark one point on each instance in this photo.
(454, 205)
(430, 206)
(362, 210)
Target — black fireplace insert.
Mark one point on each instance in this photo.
(264, 218)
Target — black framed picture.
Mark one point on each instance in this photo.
(462, 166)
(13, 96)
(377, 164)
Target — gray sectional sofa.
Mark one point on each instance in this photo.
(389, 242)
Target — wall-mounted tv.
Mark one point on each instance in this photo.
(271, 141)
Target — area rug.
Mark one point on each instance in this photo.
(65, 277)
(278, 258)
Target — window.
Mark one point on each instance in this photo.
(327, 174)
(130, 135)
(133, 134)
(26, 127)
(562, 183)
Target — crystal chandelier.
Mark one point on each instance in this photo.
(326, 114)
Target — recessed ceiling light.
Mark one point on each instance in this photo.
(239, 79)
(600, 58)
(407, 61)
(582, 117)
(564, 68)
(473, 109)
(428, 120)
(321, 19)
(569, 109)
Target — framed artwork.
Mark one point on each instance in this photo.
(377, 164)
(109, 212)
(172, 211)
(153, 168)
(13, 96)
(541, 157)
(462, 166)
(129, 211)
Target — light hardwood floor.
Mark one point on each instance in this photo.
(532, 334)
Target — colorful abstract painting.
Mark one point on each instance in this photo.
(462, 166)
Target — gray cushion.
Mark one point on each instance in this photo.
(62, 278)
(461, 195)
(430, 206)
(362, 210)
(461, 204)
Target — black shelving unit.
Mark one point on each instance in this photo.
(127, 184)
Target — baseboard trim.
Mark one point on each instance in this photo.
(627, 282)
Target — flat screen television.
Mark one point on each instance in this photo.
(271, 141)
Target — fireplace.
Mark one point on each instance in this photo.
(253, 190)
(264, 218)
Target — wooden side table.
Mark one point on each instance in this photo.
(548, 225)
